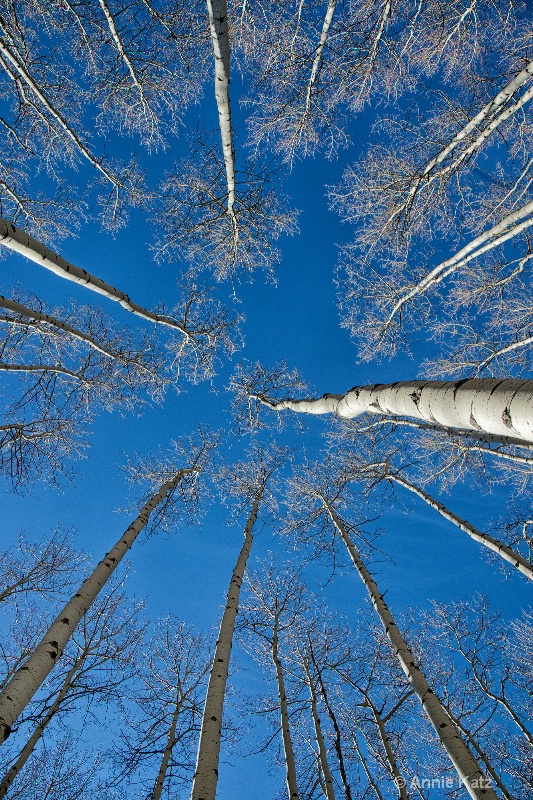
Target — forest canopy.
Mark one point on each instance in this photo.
(266, 435)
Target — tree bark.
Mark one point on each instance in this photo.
(29, 747)
(218, 23)
(27, 78)
(21, 242)
(507, 553)
(29, 677)
(322, 752)
(288, 749)
(336, 728)
(466, 765)
(397, 776)
(500, 408)
(38, 316)
(318, 56)
(171, 741)
(206, 774)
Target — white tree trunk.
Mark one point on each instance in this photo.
(509, 227)
(63, 124)
(487, 405)
(492, 112)
(466, 765)
(507, 553)
(29, 747)
(336, 728)
(329, 791)
(38, 316)
(27, 680)
(389, 752)
(206, 773)
(218, 23)
(171, 741)
(290, 763)
(318, 56)
(21, 242)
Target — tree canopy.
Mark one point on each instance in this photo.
(266, 293)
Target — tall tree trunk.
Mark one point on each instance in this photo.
(15, 239)
(318, 56)
(206, 774)
(394, 770)
(29, 677)
(336, 728)
(171, 741)
(322, 752)
(467, 767)
(47, 319)
(507, 553)
(500, 407)
(59, 118)
(366, 768)
(218, 23)
(483, 756)
(495, 112)
(288, 749)
(29, 747)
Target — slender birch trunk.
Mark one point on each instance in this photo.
(507, 553)
(336, 728)
(509, 227)
(500, 408)
(171, 741)
(29, 747)
(329, 791)
(483, 756)
(318, 56)
(38, 316)
(28, 80)
(288, 749)
(15, 239)
(397, 776)
(218, 23)
(29, 677)
(206, 774)
(366, 768)
(466, 765)
(495, 111)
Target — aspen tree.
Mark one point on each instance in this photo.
(383, 471)
(458, 752)
(162, 713)
(504, 551)
(328, 788)
(21, 242)
(484, 686)
(474, 780)
(246, 481)
(497, 408)
(179, 485)
(275, 602)
(99, 660)
(59, 772)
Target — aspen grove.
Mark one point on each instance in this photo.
(266, 434)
